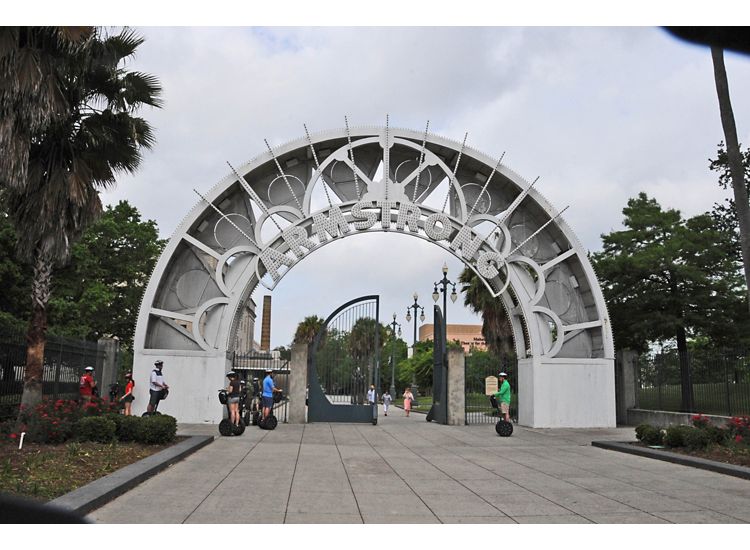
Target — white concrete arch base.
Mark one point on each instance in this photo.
(270, 213)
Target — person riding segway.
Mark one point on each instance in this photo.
(501, 401)
(270, 395)
(231, 396)
(158, 389)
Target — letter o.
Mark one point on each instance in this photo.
(430, 226)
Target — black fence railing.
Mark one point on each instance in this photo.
(254, 365)
(478, 368)
(64, 361)
(720, 382)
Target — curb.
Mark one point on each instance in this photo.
(702, 463)
(101, 491)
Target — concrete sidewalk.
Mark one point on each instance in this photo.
(406, 470)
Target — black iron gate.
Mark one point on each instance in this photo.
(343, 362)
(439, 410)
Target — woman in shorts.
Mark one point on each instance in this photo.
(128, 398)
(233, 397)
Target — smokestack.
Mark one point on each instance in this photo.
(265, 327)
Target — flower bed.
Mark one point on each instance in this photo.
(729, 443)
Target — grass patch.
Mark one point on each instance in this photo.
(45, 472)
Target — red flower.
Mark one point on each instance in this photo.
(14, 436)
(738, 438)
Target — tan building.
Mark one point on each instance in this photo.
(470, 336)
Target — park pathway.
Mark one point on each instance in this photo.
(406, 470)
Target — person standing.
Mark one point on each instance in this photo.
(128, 398)
(156, 386)
(503, 395)
(387, 400)
(86, 385)
(408, 398)
(268, 390)
(371, 395)
(233, 397)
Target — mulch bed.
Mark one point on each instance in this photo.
(45, 472)
(737, 456)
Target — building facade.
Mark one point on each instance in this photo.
(470, 336)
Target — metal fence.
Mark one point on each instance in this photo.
(254, 365)
(720, 382)
(64, 361)
(478, 367)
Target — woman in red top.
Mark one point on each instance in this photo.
(128, 398)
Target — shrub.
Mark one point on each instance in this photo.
(156, 430)
(95, 428)
(129, 428)
(696, 438)
(117, 419)
(700, 421)
(738, 429)
(675, 436)
(649, 435)
(49, 421)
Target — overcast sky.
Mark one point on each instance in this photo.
(599, 114)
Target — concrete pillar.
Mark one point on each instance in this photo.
(298, 384)
(107, 370)
(456, 388)
(626, 379)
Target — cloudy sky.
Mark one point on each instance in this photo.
(598, 113)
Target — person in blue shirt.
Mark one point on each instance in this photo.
(268, 390)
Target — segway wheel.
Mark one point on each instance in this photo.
(256, 418)
(225, 427)
(271, 423)
(503, 428)
(239, 429)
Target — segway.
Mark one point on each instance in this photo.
(503, 428)
(162, 395)
(270, 422)
(226, 428)
(253, 410)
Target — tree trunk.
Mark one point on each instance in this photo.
(36, 337)
(685, 380)
(735, 160)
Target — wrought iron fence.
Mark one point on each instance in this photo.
(254, 365)
(478, 367)
(64, 361)
(720, 382)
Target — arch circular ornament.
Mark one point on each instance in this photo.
(298, 197)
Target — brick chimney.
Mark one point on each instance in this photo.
(265, 328)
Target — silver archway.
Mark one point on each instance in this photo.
(271, 212)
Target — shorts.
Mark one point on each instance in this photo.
(504, 407)
(233, 400)
(128, 399)
(267, 402)
(155, 397)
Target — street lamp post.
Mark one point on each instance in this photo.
(416, 307)
(444, 289)
(393, 326)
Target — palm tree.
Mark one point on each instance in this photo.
(75, 156)
(30, 91)
(307, 329)
(734, 156)
(496, 327)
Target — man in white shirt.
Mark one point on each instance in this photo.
(156, 386)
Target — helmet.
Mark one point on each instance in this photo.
(158, 363)
(89, 368)
(128, 375)
(231, 373)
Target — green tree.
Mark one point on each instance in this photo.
(31, 92)
(734, 161)
(667, 278)
(419, 367)
(99, 293)
(307, 329)
(75, 156)
(14, 275)
(496, 328)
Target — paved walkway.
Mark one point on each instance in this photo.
(406, 470)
